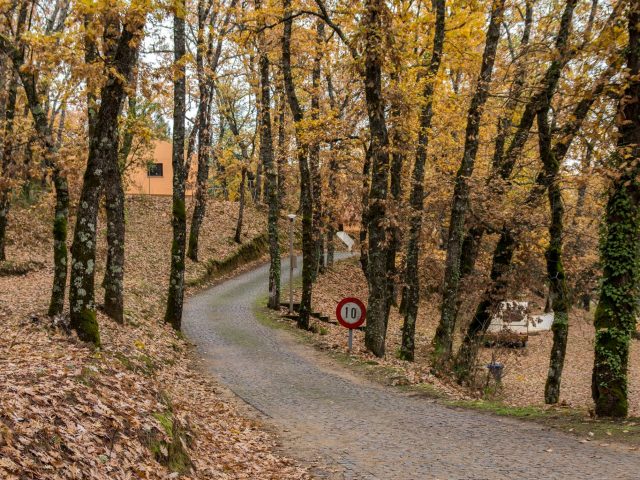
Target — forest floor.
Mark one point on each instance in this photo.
(521, 393)
(137, 407)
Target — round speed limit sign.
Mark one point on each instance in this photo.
(351, 312)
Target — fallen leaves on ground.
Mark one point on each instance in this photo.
(68, 411)
(525, 368)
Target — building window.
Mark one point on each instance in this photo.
(154, 170)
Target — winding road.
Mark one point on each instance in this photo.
(346, 427)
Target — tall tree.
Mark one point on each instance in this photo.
(473, 238)
(556, 276)
(103, 154)
(8, 164)
(302, 153)
(373, 26)
(205, 51)
(444, 334)
(416, 200)
(180, 164)
(267, 160)
(113, 282)
(615, 317)
(203, 48)
(314, 150)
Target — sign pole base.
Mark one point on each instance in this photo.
(350, 340)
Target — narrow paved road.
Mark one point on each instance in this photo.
(360, 430)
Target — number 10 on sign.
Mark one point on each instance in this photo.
(351, 313)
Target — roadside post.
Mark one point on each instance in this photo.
(292, 262)
(351, 313)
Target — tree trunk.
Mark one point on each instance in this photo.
(444, 334)
(332, 224)
(615, 317)
(267, 160)
(314, 152)
(473, 238)
(282, 154)
(556, 276)
(306, 198)
(374, 32)
(398, 143)
(204, 137)
(175, 298)
(7, 159)
(364, 219)
(60, 260)
(493, 295)
(411, 295)
(241, 202)
(113, 282)
(28, 79)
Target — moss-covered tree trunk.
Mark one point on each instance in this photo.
(60, 223)
(103, 152)
(615, 317)
(113, 282)
(443, 339)
(373, 26)
(411, 294)
(302, 153)
(28, 79)
(175, 298)
(268, 161)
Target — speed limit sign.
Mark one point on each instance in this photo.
(351, 312)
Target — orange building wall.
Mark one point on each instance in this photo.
(139, 183)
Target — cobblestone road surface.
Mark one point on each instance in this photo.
(346, 427)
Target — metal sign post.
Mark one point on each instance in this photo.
(351, 313)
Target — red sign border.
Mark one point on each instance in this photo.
(351, 300)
